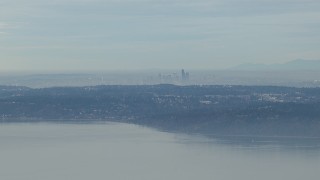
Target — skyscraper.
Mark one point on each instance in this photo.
(183, 75)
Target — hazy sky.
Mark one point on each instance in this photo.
(144, 34)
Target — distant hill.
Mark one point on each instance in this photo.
(298, 64)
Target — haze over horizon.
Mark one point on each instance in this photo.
(64, 35)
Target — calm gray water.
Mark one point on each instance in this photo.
(43, 151)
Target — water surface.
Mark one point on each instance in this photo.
(122, 151)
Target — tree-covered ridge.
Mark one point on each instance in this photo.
(210, 109)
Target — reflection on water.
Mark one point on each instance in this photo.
(268, 143)
(122, 151)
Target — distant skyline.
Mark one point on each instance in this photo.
(77, 35)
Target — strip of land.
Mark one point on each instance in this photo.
(224, 110)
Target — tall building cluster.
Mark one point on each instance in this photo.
(184, 75)
(174, 78)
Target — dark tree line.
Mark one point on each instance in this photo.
(219, 109)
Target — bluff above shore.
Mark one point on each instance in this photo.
(238, 110)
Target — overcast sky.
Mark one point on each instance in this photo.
(146, 34)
